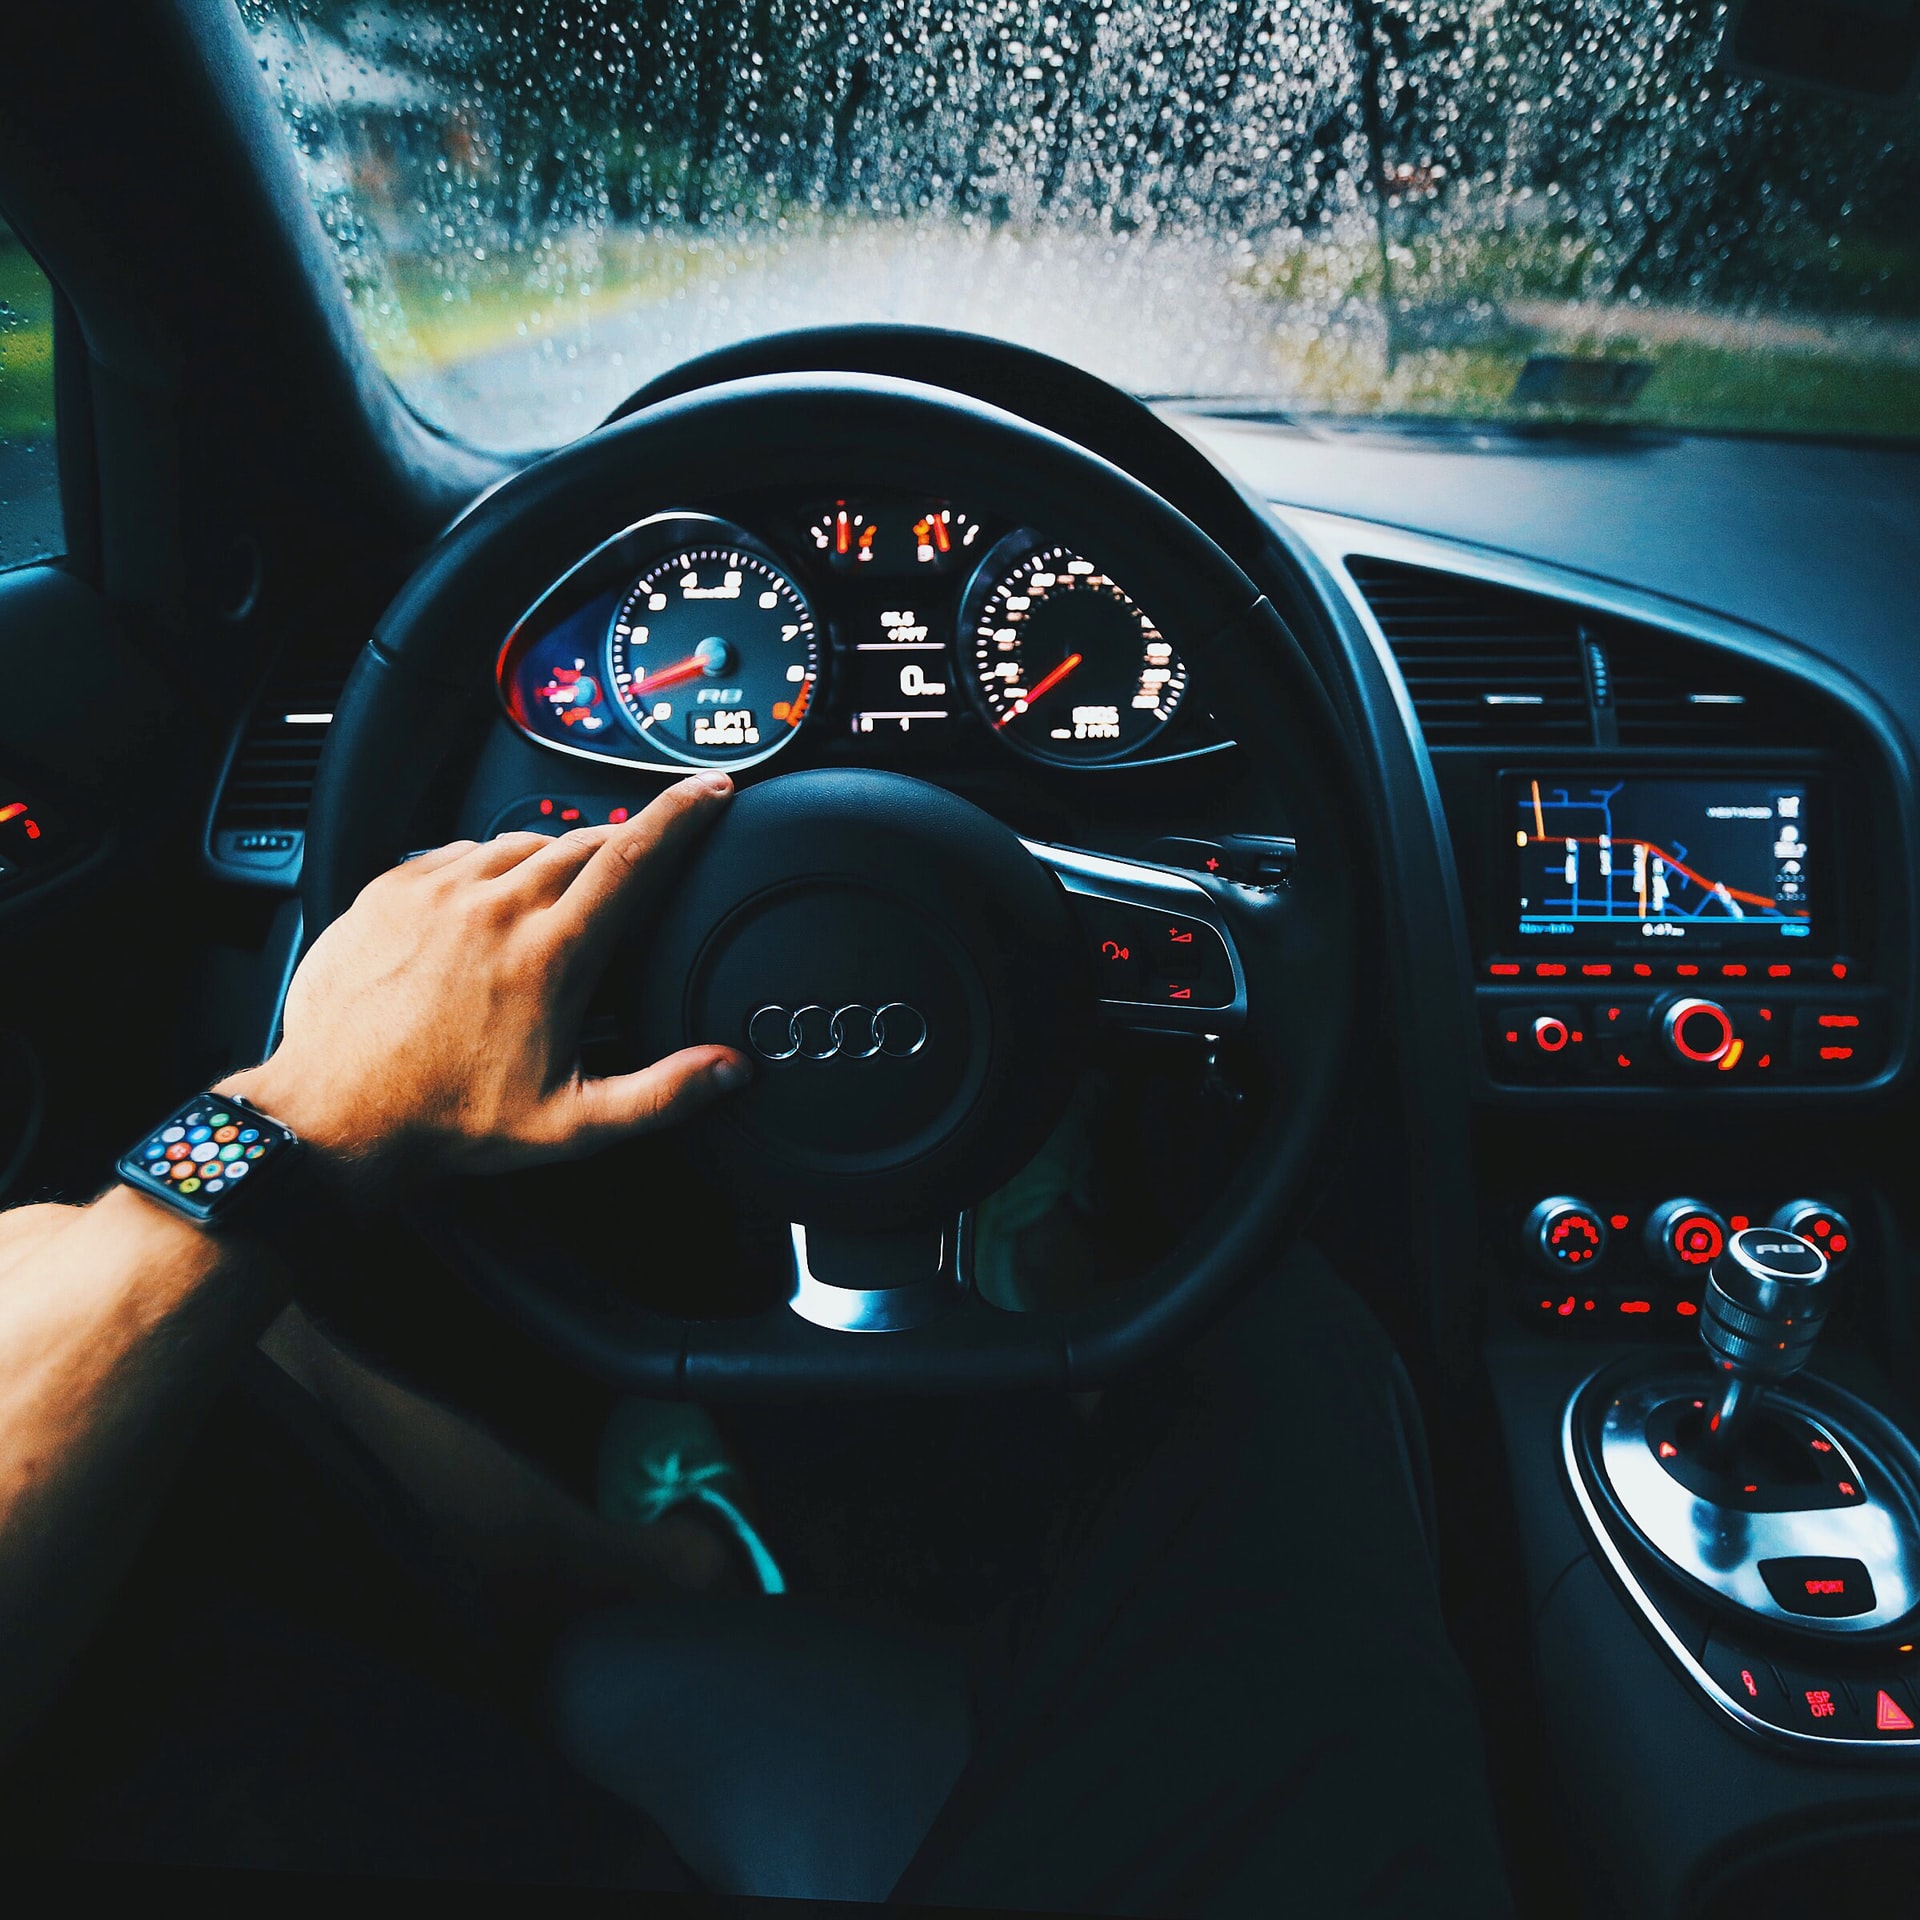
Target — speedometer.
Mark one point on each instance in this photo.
(1064, 661)
(712, 655)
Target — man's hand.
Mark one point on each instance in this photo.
(435, 1026)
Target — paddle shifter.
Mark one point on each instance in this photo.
(1765, 1304)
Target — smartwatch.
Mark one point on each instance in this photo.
(209, 1158)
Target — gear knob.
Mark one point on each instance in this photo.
(1766, 1301)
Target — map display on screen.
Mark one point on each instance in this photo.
(1624, 859)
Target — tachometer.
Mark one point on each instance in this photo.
(1065, 663)
(712, 654)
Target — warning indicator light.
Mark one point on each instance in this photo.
(1889, 1715)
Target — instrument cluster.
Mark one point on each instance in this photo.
(895, 627)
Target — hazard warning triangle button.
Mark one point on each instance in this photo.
(1890, 1716)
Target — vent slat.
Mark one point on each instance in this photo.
(1655, 679)
(270, 781)
(1457, 642)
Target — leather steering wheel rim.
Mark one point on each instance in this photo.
(422, 695)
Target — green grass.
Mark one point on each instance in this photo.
(423, 317)
(1715, 389)
(1803, 370)
(26, 345)
(1697, 388)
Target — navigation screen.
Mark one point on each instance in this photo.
(1614, 861)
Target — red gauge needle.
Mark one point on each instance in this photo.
(1047, 685)
(689, 669)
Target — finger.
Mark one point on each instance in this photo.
(637, 856)
(502, 854)
(541, 880)
(595, 1111)
(435, 857)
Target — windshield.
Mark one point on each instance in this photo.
(1443, 208)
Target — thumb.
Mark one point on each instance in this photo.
(670, 1090)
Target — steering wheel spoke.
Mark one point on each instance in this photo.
(1161, 943)
(878, 1282)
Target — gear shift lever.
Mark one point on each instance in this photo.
(1760, 1510)
(1766, 1301)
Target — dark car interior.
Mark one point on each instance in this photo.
(1280, 931)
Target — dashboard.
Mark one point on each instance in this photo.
(885, 628)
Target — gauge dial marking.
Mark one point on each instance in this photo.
(1043, 615)
(737, 644)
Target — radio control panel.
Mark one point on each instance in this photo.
(1720, 1024)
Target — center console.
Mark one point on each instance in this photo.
(1765, 1523)
(1684, 857)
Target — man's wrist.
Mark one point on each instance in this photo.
(190, 1246)
(348, 1163)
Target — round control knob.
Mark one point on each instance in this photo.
(1564, 1235)
(1827, 1227)
(1765, 1303)
(1685, 1238)
(1551, 1034)
(1698, 1033)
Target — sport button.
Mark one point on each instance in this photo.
(1818, 1587)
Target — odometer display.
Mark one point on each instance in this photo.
(1065, 663)
(712, 654)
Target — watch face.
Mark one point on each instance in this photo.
(206, 1155)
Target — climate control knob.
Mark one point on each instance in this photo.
(1827, 1227)
(1698, 1033)
(1685, 1238)
(1564, 1235)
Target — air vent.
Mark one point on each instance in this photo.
(259, 825)
(1669, 694)
(1483, 666)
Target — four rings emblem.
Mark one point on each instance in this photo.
(854, 1032)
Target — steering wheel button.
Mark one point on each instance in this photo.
(1203, 856)
(1166, 992)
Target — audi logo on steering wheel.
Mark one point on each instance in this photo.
(853, 1032)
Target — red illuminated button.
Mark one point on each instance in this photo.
(1548, 1040)
(1619, 1034)
(1746, 1679)
(1684, 1238)
(1819, 1587)
(1847, 1040)
(1555, 1036)
(1890, 1710)
(1117, 963)
(1699, 1033)
(1564, 1235)
(1820, 1703)
(1827, 1227)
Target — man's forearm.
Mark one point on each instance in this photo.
(117, 1325)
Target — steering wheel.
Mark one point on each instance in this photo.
(915, 980)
